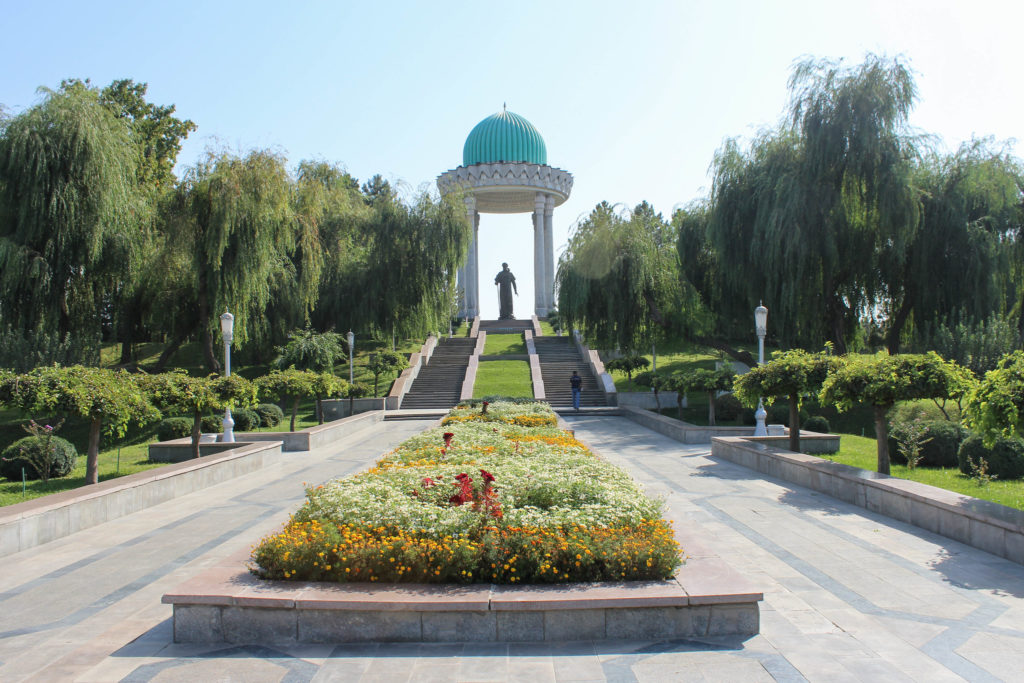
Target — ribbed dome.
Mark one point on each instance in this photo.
(504, 137)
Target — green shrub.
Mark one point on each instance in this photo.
(943, 439)
(24, 451)
(727, 408)
(817, 423)
(270, 414)
(212, 424)
(245, 420)
(171, 428)
(1005, 459)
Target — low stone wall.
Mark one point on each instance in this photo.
(810, 442)
(337, 408)
(645, 400)
(307, 439)
(403, 383)
(34, 522)
(474, 363)
(991, 527)
(536, 377)
(227, 604)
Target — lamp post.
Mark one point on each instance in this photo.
(227, 331)
(761, 327)
(351, 372)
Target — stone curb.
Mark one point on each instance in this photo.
(227, 604)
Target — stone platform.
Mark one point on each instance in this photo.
(226, 604)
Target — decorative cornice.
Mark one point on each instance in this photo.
(517, 176)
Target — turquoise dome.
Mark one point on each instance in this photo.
(504, 137)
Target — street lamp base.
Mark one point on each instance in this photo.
(760, 429)
(229, 427)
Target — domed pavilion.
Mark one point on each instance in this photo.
(505, 170)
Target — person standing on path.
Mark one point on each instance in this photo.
(576, 382)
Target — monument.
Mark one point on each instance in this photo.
(506, 282)
(505, 170)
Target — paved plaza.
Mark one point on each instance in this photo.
(849, 595)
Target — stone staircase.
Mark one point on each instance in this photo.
(558, 358)
(439, 383)
(505, 326)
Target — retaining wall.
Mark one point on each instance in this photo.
(34, 522)
(810, 442)
(307, 439)
(978, 523)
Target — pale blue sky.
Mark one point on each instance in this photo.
(632, 98)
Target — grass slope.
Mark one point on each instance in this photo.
(503, 378)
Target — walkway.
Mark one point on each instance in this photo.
(848, 595)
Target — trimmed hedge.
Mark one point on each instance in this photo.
(245, 420)
(270, 414)
(727, 408)
(16, 456)
(1005, 459)
(212, 424)
(171, 428)
(817, 423)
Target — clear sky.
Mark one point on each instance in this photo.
(632, 98)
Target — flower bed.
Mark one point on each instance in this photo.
(501, 496)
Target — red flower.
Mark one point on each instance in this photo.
(428, 482)
(488, 477)
(448, 439)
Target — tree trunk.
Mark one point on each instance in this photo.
(92, 458)
(882, 437)
(892, 336)
(208, 355)
(742, 356)
(197, 420)
(711, 409)
(319, 410)
(205, 337)
(679, 404)
(794, 423)
(295, 411)
(165, 355)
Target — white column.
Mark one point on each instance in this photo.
(469, 287)
(549, 254)
(460, 282)
(476, 264)
(539, 276)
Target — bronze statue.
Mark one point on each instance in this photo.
(506, 282)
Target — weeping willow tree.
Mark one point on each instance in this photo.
(808, 214)
(410, 252)
(618, 280)
(69, 212)
(232, 223)
(972, 210)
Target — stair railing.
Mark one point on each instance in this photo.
(535, 376)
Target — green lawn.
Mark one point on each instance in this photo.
(503, 378)
(861, 452)
(502, 344)
(133, 458)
